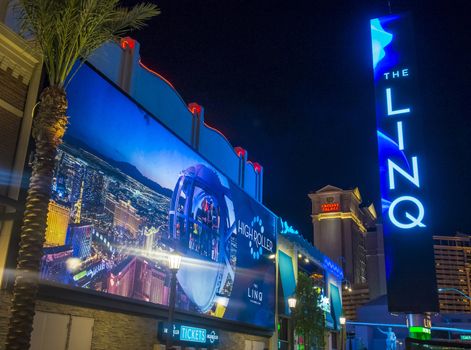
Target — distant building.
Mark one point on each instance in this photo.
(341, 226)
(94, 191)
(149, 234)
(53, 263)
(158, 291)
(124, 215)
(79, 236)
(57, 222)
(121, 280)
(453, 269)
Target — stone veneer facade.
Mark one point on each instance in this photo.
(118, 330)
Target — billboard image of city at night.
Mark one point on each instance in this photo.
(127, 192)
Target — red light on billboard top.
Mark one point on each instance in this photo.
(328, 207)
(127, 42)
(257, 167)
(240, 151)
(194, 108)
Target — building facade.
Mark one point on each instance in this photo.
(20, 73)
(453, 266)
(79, 236)
(346, 231)
(94, 226)
(58, 217)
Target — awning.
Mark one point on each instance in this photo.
(288, 280)
(335, 305)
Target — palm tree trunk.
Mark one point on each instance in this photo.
(48, 129)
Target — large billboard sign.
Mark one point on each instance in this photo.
(407, 222)
(127, 191)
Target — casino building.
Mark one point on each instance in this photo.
(120, 300)
(346, 231)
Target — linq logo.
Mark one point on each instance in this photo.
(255, 296)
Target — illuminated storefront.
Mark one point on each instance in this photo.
(296, 254)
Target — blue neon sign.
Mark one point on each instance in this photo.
(190, 334)
(406, 220)
(400, 167)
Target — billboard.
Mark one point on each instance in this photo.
(127, 191)
(410, 268)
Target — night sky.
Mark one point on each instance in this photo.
(292, 83)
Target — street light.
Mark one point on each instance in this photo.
(348, 285)
(342, 320)
(174, 261)
(292, 305)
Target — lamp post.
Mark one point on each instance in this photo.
(174, 261)
(342, 321)
(292, 306)
(348, 285)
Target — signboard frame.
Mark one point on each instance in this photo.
(256, 289)
(407, 221)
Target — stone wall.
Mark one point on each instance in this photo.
(111, 330)
(120, 331)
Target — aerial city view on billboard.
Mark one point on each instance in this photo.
(123, 200)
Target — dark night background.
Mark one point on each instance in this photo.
(292, 83)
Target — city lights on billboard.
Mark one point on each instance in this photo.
(407, 223)
(127, 192)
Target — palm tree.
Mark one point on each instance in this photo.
(63, 31)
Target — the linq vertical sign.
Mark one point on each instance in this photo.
(407, 224)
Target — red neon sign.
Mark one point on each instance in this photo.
(328, 207)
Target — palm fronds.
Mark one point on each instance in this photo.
(66, 30)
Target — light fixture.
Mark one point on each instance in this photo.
(272, 256)
(300, 255)
(306, 260)
(73, 264)
(342, 320)
(292, 303)
(174, 261)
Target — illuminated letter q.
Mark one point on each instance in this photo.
(414, 221)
